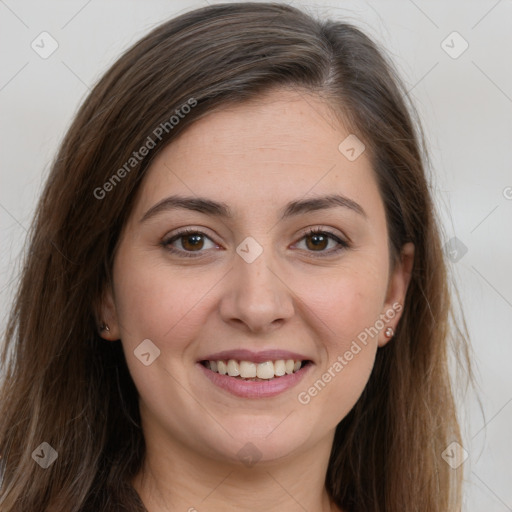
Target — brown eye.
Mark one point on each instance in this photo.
(187, 243)
(316, 241)
(192, 242)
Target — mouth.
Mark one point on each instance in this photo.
(249, 371)
(254, 380)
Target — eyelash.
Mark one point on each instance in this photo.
(166, 243)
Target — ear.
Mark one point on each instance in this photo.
(107, 315)
(397, 289)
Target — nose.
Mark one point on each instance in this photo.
(257, 296)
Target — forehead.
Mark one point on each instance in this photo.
(283, 145)
(286, 123)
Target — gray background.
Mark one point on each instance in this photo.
(466, 107)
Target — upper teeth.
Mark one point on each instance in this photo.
(247, 369)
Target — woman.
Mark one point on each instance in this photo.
(235, 296)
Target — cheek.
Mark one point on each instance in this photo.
(166, 306)
(348, 299)
(155, 302)
(348, 305)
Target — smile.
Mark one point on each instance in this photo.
(247, 379)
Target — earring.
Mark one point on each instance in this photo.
(105, 327)
(389, 332)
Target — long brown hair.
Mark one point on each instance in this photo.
(62, 384)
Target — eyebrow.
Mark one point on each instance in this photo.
(222, 210)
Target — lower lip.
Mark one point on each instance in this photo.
(251, 389)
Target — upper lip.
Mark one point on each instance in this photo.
(255, 357)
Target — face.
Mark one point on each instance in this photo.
(254, 279)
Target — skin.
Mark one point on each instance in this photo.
(256, 157)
